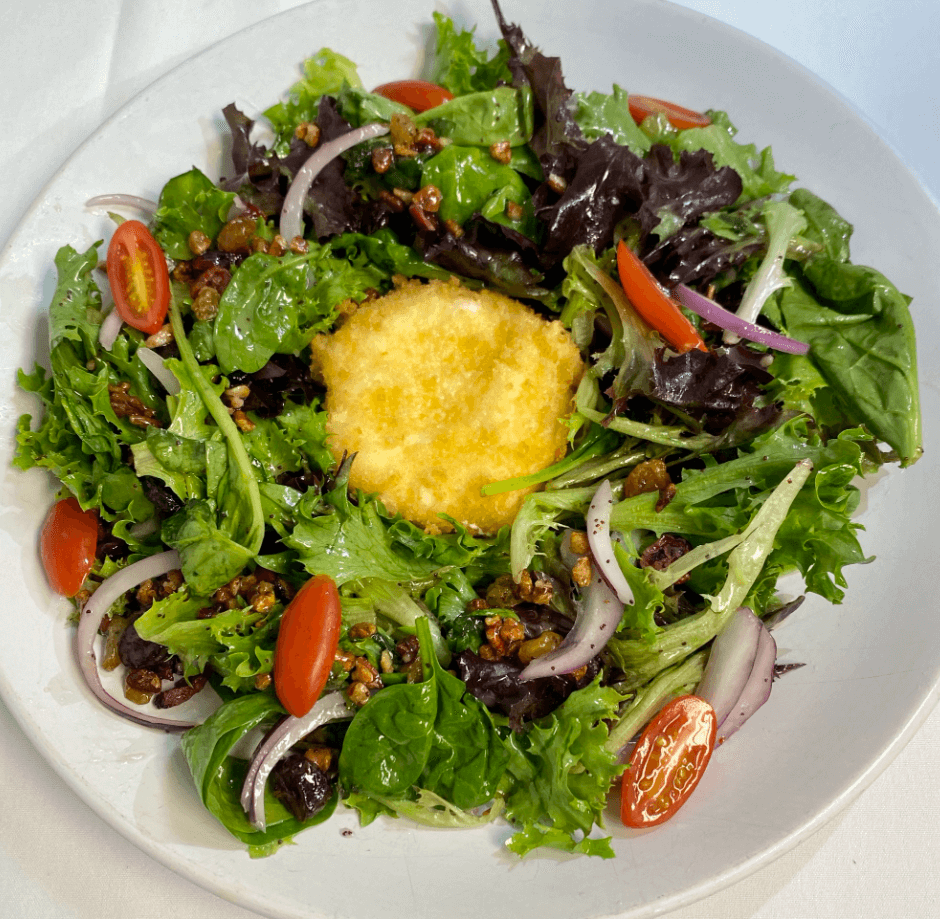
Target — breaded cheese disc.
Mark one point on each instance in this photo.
(439, 390)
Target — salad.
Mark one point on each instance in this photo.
(734, 374)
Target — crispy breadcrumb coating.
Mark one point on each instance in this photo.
(439, 390)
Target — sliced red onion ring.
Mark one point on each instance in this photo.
(90, 619)
(154, 363)
(602, 548)
(598, 616)
(132, 201)
(274, 747)
(110, 329)
(757, 689)
(725, 319)
(291, 222)
(730, 662)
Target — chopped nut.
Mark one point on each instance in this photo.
(428, 199)
(358, 693)
(346, 659)
(259, 245)
(364, 672)
(361, 630)
(215, 276)
(386, 664)
(278, 246)
(581, 571)
(198, 242)
(382, 159)
(405, 151)
(423, 220)
(579, 542)
(163, 336)
(454, 228)
(534, 590)
(474, 606)
(125, 405)
(391, 202)
(501, 151)
(504, 636)
(407, 649)
(557, 183)
(427, 140)
(206, 304)
(308, 132)
(235, 396)
(299, 246)
(514, 211)
(243, 422)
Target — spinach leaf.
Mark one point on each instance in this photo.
(483, 118)
(189, 202)
(860, 333)
(431, 735)
(219, 776)
(277, 304)
(471, 181)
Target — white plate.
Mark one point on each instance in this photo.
(872, 664)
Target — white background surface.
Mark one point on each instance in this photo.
(64, 68)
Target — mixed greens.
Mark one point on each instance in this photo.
(228, 464)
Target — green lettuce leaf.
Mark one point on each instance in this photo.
(560, 773)
(189, 202)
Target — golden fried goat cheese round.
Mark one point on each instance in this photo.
(440, 390)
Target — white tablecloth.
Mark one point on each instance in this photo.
(65, 67)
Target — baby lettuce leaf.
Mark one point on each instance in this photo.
(277, 304)
(189, 202)
(460, 66)
(471, 181)
(219, 775)
(325, 74)
(559, 774)
(431, 735)
(483, 118)
(238, 643)
(600, 113)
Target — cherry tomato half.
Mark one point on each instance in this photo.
(653, 304)
(306, 646)
(668, 762)
(67, 546)
(418, 95)
(679, 117)
(139, 278)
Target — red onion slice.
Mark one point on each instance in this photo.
(725, 319)
(291, 222)
(602, 547)
(145, 205)
(110, 329)
(757, 689)
(274, 747)
(730, 662)
(598, 616)
(90, 619)
(154, 363)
